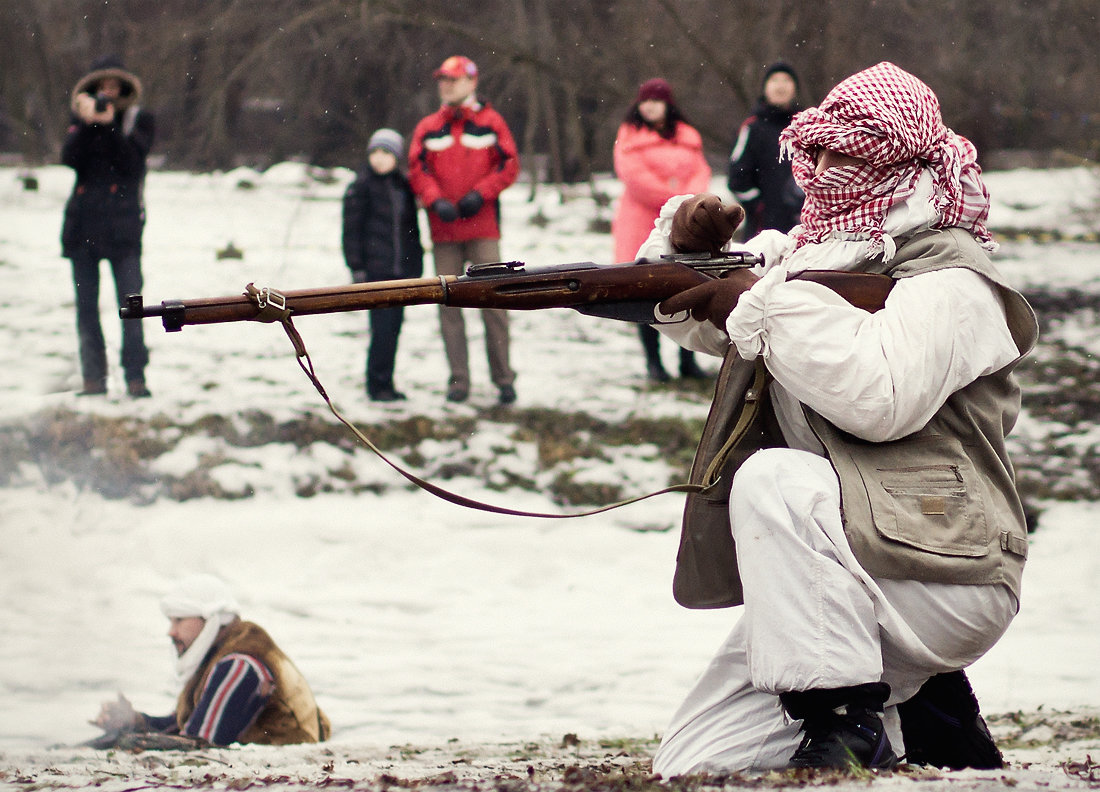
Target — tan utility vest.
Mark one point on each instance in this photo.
(291, 715)
(939, 505)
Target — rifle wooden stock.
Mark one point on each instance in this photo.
(621, 291)
(864, 290)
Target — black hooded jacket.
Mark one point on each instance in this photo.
(757, 179)
(106, 211)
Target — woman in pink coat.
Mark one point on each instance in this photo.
(657, 155)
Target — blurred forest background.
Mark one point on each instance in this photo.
(260, 81)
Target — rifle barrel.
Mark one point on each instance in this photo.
(302, 302)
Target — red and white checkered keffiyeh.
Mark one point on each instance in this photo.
(891, 120)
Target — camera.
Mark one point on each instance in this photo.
(102, 102)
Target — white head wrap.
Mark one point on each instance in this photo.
(210, 599)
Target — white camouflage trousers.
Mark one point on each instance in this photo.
(813, 618)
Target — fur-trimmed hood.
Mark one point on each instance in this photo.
(100, 70)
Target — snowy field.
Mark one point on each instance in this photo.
(416, 622)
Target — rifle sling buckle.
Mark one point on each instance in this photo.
(270, 302)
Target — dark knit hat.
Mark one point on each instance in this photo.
(388, 140)
(780, 66)
(654, 89)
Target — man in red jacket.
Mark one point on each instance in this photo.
(461, 159)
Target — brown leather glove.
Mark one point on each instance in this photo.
(703, 224)
(711, 301)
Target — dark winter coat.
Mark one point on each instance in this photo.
(106, 210)
(758, 180)
(381, 238)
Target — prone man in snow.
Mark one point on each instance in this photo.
(879, 536)
(238, 686)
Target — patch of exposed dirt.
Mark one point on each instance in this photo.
(1044, 751)
(115, 456)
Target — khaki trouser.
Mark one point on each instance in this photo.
(450, 259)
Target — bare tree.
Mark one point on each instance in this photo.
(260, 80)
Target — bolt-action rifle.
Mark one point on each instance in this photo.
(628, 292)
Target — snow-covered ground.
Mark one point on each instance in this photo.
(415, 621)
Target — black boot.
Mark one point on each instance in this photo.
(943, 726)
(655, 372)
(689, 369)
(651, 343)
(386, 395)
(842, 727)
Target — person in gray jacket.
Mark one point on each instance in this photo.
(880, 544)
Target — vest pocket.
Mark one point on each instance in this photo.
(931, 507)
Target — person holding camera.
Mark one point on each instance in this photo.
(108, 140)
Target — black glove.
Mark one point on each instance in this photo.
(358, 275)
(445, 210)
(470, 204)
(703, 224)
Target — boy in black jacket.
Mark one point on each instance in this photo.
(381, 241)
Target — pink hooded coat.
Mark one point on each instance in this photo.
(652, 170)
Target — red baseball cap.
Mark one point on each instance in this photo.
(456, 66)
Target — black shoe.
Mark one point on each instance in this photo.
(855, 739)
(93, 388)
(842, 727)
(689, 369)
(457, 394)
(387, 395)
(692, 371)
(137, 390)
(656, 372)
(943, 726)
(507, 394)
